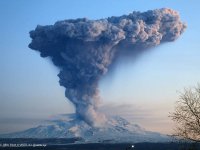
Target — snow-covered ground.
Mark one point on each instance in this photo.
(116, 129)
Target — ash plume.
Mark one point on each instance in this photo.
(84, 49)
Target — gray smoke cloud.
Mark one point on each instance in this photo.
(84, 49)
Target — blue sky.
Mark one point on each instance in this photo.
(29, 88)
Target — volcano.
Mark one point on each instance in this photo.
(117, 129)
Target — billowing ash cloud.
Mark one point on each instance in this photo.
(83, 50)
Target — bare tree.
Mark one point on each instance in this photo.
(187, 115)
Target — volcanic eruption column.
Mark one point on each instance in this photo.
(83, 50)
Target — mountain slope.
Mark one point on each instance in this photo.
(117, 129)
